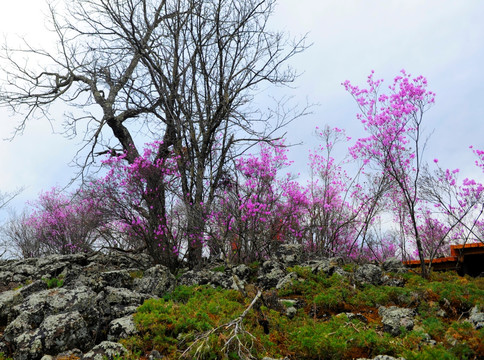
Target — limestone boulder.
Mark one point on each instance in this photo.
(394, 265)
(395, 318)
(270, 274)
(105, 350)
(327, 266)
(476, 318)
(55, 334)
(156, 281)
(368, 274)
(289, 254)
(121, 328)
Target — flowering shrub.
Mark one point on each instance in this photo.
(459, 204)
(141, 199)
(394, 146)
(255, 208)
(253, 217)
(62, 224)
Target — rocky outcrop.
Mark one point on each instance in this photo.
(95, 303)
(328, 266)
(79, 306)
(394, 319)
(368, 274)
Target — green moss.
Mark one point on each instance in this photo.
(220, 268)
(337, 339)
(430, 353)
(435, 327)
(137, 274)
(319, 330)
(349, 267)
(54, 282)
(181, 315)
(332, 298)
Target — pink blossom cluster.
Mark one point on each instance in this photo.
(258, 207)
(64, 224)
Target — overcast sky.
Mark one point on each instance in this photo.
(440, 39)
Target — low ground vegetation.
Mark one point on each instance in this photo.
(85, 305)
(334, 319)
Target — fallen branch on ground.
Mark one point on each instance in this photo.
(237, 332)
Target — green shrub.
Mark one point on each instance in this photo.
(173, 323)
(53, 282)
(175, 320)
(435, 327)
(430, 353)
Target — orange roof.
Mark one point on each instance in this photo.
(455, 251)
(453, 248)
(437, 260)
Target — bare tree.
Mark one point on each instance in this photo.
(180, 71)
(460, 207)
(20, 238)
(5, 199)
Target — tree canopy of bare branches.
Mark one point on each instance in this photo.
(180, 71)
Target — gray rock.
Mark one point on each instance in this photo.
(154, 355)
(368, 274)
(22, 323)
(357, 316)
(427, 339)
(26, 270)
(476, 318)
(291, 312)
(441, 313)
(391, 281)
(289, 254)
(116, 303)
(32, 313)
(117, 261)
(59, 261)
(271, 273)
(204, 277)
(117, 278)
(54, 301)
(105, 350)
(71, 276)
(289, 302)
(327, 266)
(286, 280)
(97, 280)
(36, 286)
(70, 354)
(225, 280)
(6, 275)
(394, 265)
(8, 299)
(95, 302)
(395, 318)
(156, 281)
(121, 328)
(242, 271)
(57, 333)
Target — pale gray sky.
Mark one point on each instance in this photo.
(440, 39)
